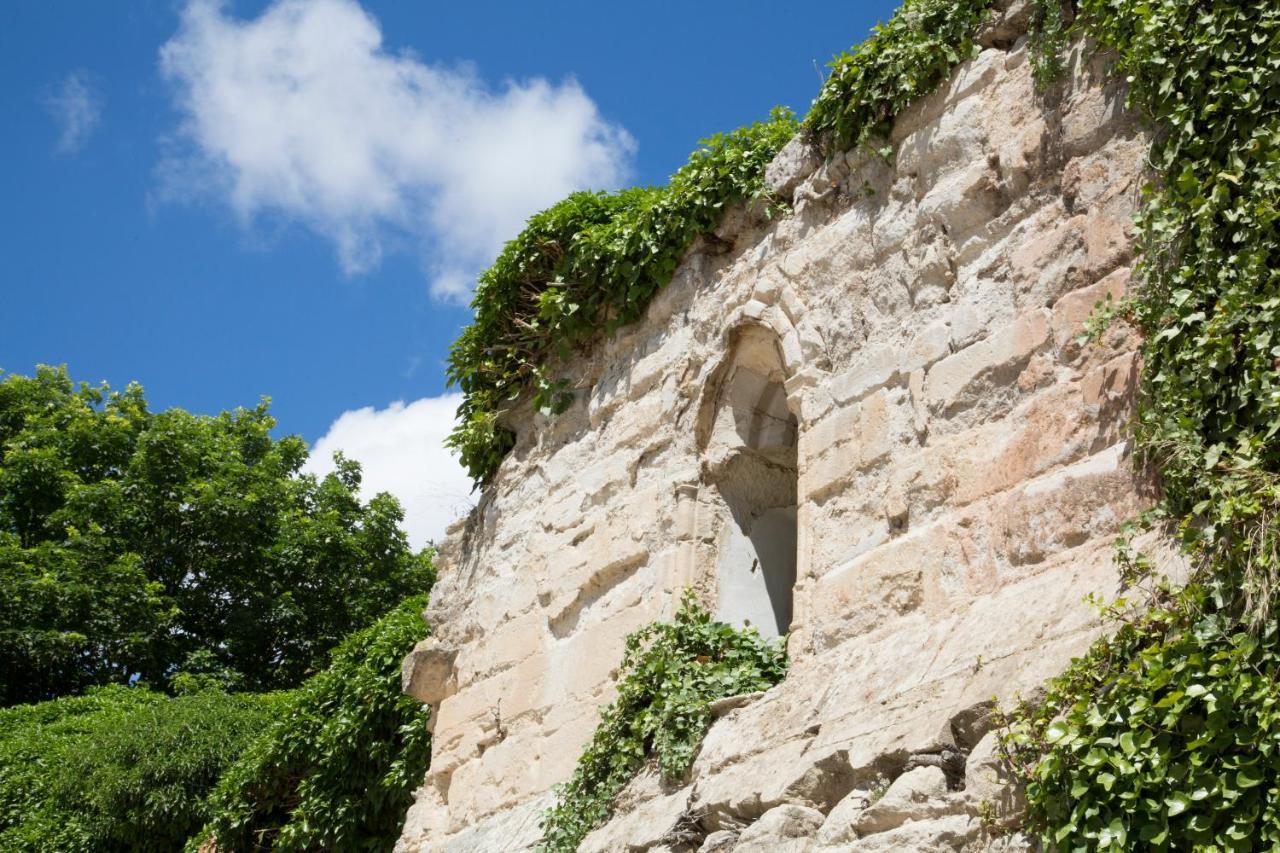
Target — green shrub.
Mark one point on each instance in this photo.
(1165, 736)
(671, 672)
(337, 768)
(120, 768)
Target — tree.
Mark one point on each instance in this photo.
(140, 545)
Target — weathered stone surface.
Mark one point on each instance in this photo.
(720, 841)
(913, 390)
(796, 161)
(784, 829)
(427, 673)
(944, 835)
(918, 794)
(838, 828)
(648, 817)
(989, 787)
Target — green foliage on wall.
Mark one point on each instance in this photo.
(581, 269)
(903, 61)
(1166, 736)
(143, 544)
(1049, 38)
(671, 672)
(337, 767)
(119, 768)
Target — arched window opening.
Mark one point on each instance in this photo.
(750, 461)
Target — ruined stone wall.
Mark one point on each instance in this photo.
(960, 465)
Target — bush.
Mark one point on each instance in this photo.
(120, 768)
(337, 769)
(904, 60)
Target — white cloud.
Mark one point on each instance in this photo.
(77, 108)
(304, 112)
(401, 449)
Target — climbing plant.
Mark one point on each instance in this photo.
(337, 767)
(1049, 36)
(1165, 736)
(904, 59)
(671, 672)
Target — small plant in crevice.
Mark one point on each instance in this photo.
(671, 673)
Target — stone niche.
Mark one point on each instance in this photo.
(750, 483)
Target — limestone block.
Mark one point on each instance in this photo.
(1003, 27)
(649, 371)
(919, 794)
(1092, 114)
(783, 829)
(796, 161)
(944, 835)
(819, 438)
(1091, 181)
(511, 830)
(507, 645)
(875, 370)
(428, 672)
(886, 582)
(1088, 500)
(720, 841)
(647, 819)
(989, 842)
(838, 829)
(966, 199)
(929, 346)
(780, 773)
(949, 383)
(1051, 261)
(874, 438)
(1072, 311)
(990, 788)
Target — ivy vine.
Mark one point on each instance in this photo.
(671, 672)
(904, 60)
(1166, 735)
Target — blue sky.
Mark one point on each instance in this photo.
(229, 200)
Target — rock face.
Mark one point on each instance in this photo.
(869, 425)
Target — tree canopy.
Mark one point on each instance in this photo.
(154, 546)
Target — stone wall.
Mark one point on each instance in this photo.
(900, 352)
